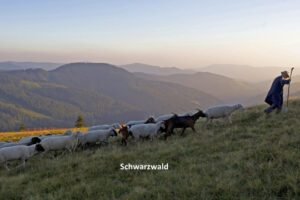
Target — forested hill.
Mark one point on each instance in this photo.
(103, 93)
(46, 104)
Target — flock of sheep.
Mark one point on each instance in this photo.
(29, 146)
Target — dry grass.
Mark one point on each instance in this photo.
(16, 136)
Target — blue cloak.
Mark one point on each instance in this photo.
(275, 94)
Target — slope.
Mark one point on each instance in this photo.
(254, 158)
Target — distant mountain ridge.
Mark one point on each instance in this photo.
(116, 82)
(150, 69)
(227, 89)
(240, 72)
(245, 72)
(12, 65)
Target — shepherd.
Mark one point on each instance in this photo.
(275, 94)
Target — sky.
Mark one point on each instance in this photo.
(186, 33)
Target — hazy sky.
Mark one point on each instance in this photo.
(182, 33)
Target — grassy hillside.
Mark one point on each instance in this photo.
(254, 158)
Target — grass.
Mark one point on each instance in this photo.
(254, 158)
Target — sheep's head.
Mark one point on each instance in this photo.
(113, 132)
(151, 120)
(34, 140)
(174, 115)
(69, 132)
(39, 148)
(78, 133)
(239, 107)
(116, 126)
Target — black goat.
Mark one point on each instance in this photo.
(182, 122)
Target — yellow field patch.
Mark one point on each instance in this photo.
(16, 136)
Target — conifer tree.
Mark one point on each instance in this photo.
(79, 122)
(22, 127)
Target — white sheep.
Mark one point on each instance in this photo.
(22, 152)
(11, 144)
(221, 111)
(92, 137)
(67, 133)
(54, 143)
(164, 117)
(105, 126)
(146, 130)
(4, 143)
(28, 140)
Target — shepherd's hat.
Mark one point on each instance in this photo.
(285, 73)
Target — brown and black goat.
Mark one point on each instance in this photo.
(125, 134)
(182, 122)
